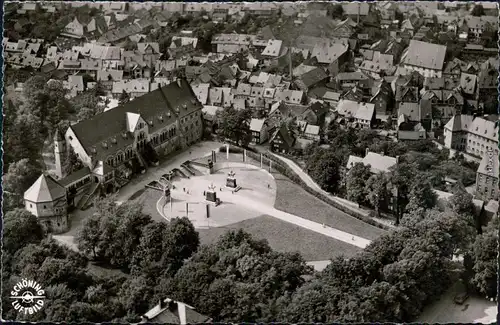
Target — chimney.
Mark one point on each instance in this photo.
(397, 160)
(367, 151)
(179, 83)
(161, 303)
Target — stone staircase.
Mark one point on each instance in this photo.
(84, 200)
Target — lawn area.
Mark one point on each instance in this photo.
(285, 237)
(291, 198)
(149, 197)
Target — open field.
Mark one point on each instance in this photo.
(291, 198)
(285, 237)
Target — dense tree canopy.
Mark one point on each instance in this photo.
(247, 273)
(235, 125)
(19, 177)
(357, 177)
(484, 255)
(323, 167)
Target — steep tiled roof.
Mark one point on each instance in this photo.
(161, 107)
(257, 124)
(459, 123)
(468, 83)
(285, 135)
(378, 163)
(45, 189)
(314, 76)
(425, 55)
(328, 52)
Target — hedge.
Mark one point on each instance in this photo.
(288, 172)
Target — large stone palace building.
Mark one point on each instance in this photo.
(122, 141)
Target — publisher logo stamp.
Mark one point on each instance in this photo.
(28, 297)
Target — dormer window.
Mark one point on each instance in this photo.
(113, 140)
(150, 123)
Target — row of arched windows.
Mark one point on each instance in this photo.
(120, 157)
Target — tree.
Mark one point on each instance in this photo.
(235, 125)
(19, 177)
(23, 139)
(421, 195)
(377, 191)
(124, 98)
(357, 177)
(20, 229)
(45, 99)
(120, 229)
(485, 261)
(401, 176)
(162, 249)
(88, 238)
(135, 295)
(323, 167)
(71, 162)
(461, 201)
(247, 273)
(478, 10)
(337, 11)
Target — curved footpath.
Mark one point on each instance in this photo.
(227, 196)
(312, 184)
(304, 223)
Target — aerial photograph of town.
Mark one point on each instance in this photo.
(259, 162)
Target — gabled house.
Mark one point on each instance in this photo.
(182, 45)
(169, 311)
(331, 55)
(282, 141)
(379, 66)
(311, 79)
(378, 163)
(382, 98)
(425, 58)
(260, 130)
(445, 103)
(356, 114)
(468, 84)
(410, 130)
(454, 68)
(475, 136)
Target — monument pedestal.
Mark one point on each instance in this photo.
(211, 197)
(231, 182)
